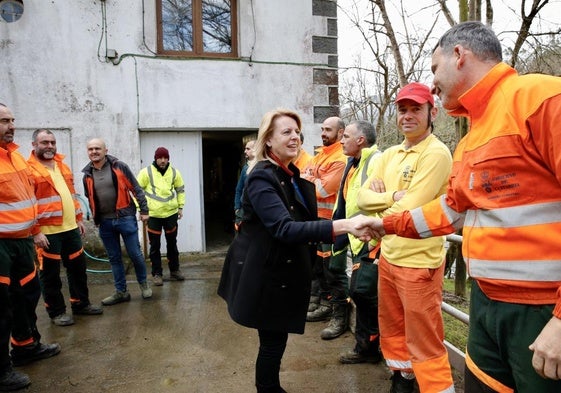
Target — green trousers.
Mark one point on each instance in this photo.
(499, 336)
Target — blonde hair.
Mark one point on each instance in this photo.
(266, 129)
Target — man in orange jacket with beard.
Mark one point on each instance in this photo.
(19, 284)
(59, 241)
(330, 289)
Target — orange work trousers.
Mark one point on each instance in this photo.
(411, 326)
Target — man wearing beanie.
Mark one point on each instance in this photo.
(165, 192)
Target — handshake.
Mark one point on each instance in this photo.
(363, 227)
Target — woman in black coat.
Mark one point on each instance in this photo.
(267, 272)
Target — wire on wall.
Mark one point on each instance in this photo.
(144, 30)
(118, 58)
(154, 55)
(137, 93)
(254, 31)
(103, 59)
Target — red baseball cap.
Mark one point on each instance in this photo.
(417, 92)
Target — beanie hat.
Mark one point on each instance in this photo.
(161, 152)
(417, 92)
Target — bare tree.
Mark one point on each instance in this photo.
(398, 59)
(542, 55)
(401, 49)
(525, 25)
(401, 56)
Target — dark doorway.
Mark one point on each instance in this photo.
(222, 160)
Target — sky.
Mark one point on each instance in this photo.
(421, 14)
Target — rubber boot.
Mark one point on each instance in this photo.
(339, 322)
(401, 384)
(314, 303)
(322, 313)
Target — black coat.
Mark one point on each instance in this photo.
(266, 276)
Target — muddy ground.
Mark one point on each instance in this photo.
(182, 341)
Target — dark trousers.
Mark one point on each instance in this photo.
(330, 281)
(319, 281)
(169, 226)
(367, 331)
(271, 349)
(337, 280)
(474, 385)
(498, 340)
(19, 295)
(364, 292)
(66, 248)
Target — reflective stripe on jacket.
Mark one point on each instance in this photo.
(18, 206)
(48, 199)
(165, 193)
(325, 171)
(355, 180)
(505, 189)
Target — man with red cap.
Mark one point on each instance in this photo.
(406, 176)
(165, 193)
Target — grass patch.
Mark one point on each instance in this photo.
(455, 331)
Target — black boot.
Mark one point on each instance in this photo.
(339, 322)
(314, 303)
(354, 356)
(30, 353)
(11, 380)
(401, 384)
(322, 313)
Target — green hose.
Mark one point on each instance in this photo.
(85, 206)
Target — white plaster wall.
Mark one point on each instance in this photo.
(53, 74)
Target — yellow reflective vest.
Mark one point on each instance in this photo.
(165, 193)
(354, 181)
(48, 199)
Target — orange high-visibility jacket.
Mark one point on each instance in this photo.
(505, 189)
(48, 199)
(126, 186)
(302, 160)
(325, 171)
(18, 206)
